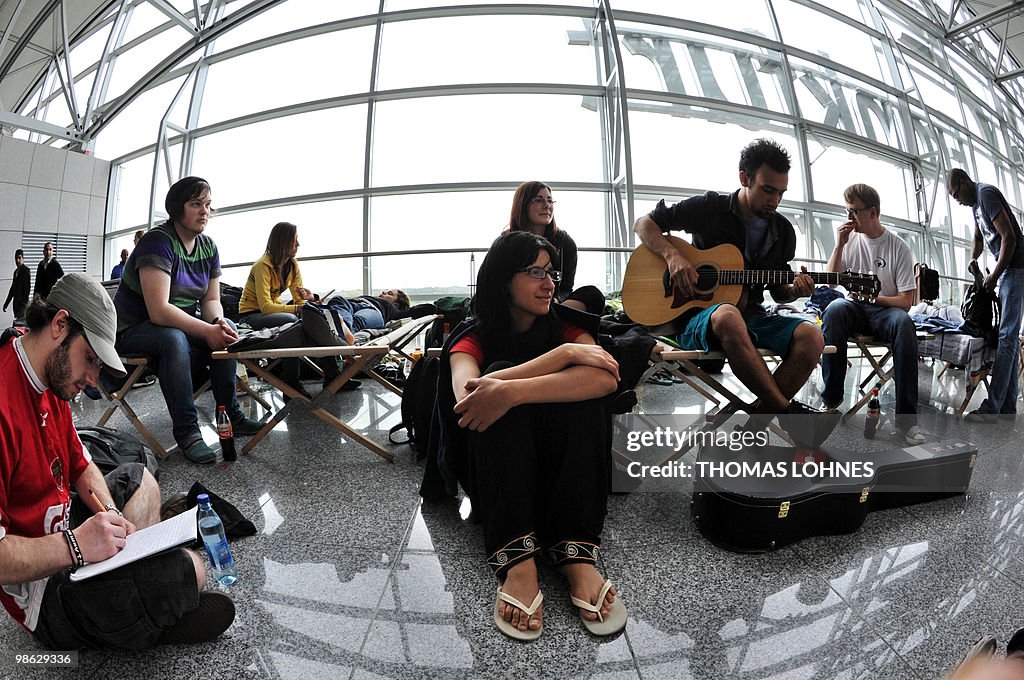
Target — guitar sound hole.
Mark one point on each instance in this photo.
(707, 278)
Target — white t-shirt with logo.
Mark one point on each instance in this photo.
(888, 257)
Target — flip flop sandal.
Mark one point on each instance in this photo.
(506, 627)
(616, 620)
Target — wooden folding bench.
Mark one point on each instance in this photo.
(136, 366)
(879, 373)
(358, 358)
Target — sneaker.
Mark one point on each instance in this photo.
(246, 426)
(350, 384)
(977, 416)
(175, 505)
(807, 426)
(298, 387)
(206, 622)
(912, 435)
(146, 380)
(199, 452)
(830, 408)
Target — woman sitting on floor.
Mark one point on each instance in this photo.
(533, 211)
(261, 306)
(531, 392)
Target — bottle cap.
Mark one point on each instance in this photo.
(203, 498)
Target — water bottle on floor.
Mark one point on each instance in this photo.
(212, 530)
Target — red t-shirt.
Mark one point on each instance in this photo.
(41, 457)
(471, 343)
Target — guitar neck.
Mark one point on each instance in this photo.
(746, 277)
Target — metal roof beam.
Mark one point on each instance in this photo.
(13, 120)
(985, 20)
(176, 16)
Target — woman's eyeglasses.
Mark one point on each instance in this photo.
(540, 200)
(540, 273)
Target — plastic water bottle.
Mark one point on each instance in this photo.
(874, 415)
(212, 530)
(227, 437)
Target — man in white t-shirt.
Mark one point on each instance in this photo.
(864, 245)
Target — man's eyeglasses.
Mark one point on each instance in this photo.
(853, 212)
(91, 357)
(540, 273)
(540, 200)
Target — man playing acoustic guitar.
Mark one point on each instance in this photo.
(862, 243)
(747, 219)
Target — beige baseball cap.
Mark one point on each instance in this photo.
(87, 302)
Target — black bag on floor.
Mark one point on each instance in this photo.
(418, 398)
(110, 448)
(236, 524)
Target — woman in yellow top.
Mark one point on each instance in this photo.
(271, 275)
(261, 305)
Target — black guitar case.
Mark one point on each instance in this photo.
(786, 494)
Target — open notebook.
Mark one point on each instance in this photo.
(176, 531)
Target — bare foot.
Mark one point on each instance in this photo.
(585, 584)
(521, 583)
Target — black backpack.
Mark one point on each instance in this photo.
(981, 311)
(230, 297)
(454, 309)
(419, 397)
(110, 448)
(927, 283)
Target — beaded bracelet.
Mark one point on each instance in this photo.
(76, 552)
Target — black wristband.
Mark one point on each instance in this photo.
(76, 552)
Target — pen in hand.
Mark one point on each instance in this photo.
(97, 504)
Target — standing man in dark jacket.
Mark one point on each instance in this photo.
(48, 271)
(747, 219)
(20, 285)
(997, 228)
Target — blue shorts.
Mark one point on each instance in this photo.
(767, 331)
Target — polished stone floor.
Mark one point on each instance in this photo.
(351, 576)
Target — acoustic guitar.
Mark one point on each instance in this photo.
(650, 298)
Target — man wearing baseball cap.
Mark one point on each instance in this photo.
(45, 533)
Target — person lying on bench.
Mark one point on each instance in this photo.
(748, 219)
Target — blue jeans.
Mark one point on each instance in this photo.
(179, 357)
(358, 315)
(1002, 391)
(890, 325)
(258, 321)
